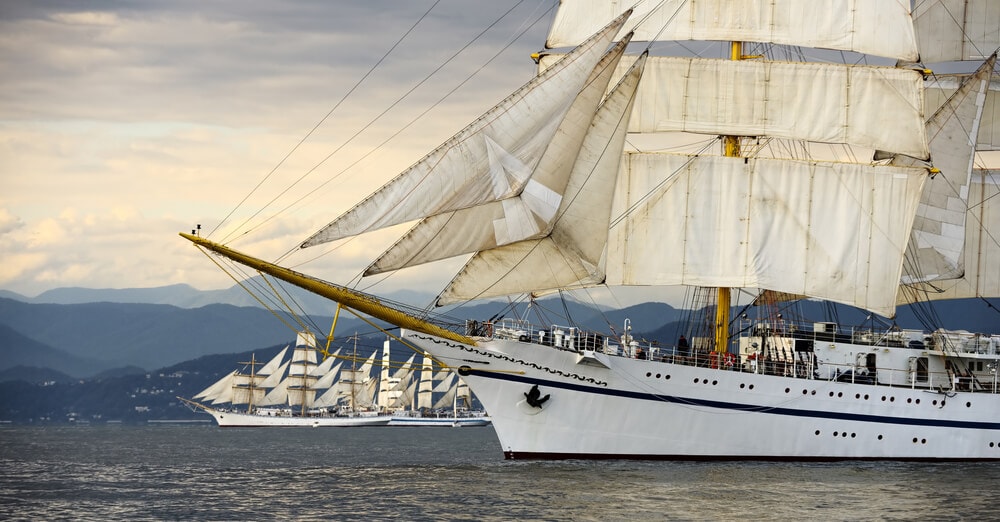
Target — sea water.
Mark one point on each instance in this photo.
(202, 472)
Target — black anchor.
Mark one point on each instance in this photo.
(532, 397)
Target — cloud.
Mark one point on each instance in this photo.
(123, 124)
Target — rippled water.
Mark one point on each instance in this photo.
(201, 472)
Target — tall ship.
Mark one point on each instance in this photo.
(427, 397)
(764, 178)
(298, 392)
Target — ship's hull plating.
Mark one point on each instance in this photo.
(229, 419)
(457, 422)
(601, 407)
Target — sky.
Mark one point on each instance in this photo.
(124, 123)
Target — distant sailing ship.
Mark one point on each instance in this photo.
(429, 398)
(300, 392)
(567, 184)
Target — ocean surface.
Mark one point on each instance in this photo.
(202, 472)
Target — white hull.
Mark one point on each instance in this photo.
(445, 422)
(228, 419)
(603, 406)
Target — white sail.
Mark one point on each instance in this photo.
(425, 389)
(571, 254)
(328, 378)
(942, 87)
(218, 388)
(836, 231)
(450, 387)
(877, 27)
(873, 107)
(246, 389)
(489, 160)
(275, 396)
(323, 367)
(273, 379)
(981, 277)
(329, 398)
(525, 215)
(273, 364)
(952, 30)
(938, 234)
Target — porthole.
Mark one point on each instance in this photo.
(866, 396)
(743, 385)
(968, 405)
(751, 386)
(812, 392)
(696, 381)
(817, 433)
(649, 373)
(715, 383)
(844, 435)
(914, 440)
(657, 376)
(923, 441)
(892, 399)
(854, 435)
(831, 394)
(836, 433)
(879, 437)
(787, 390)
(805, 392)
(840, 394)
(704, 381)
(909, 400)
(918, 401)
(857, 395)
(667, 376)
(883, 398)
(934, 403)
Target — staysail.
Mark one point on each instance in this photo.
(570, 255)
(489, 160)
(521, 216)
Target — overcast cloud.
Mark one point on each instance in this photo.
(123, 123)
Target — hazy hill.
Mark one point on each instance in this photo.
(185, 296)
(19, 350)
(101, 336)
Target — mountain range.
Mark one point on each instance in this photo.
(77, 353)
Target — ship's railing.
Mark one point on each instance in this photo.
(562, 337)
(579, 340)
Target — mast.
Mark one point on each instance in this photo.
(731, 146)
(252, 383)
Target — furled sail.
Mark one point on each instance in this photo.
(489, 160)
(938, 235)
(955, 30)
(570, 255)
(830, 230)
(876, 27)
(525, 215)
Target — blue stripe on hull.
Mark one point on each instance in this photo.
(732, 406)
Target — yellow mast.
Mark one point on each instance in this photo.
(732, 149)
(361, 302)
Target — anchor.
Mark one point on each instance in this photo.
(532, 397)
